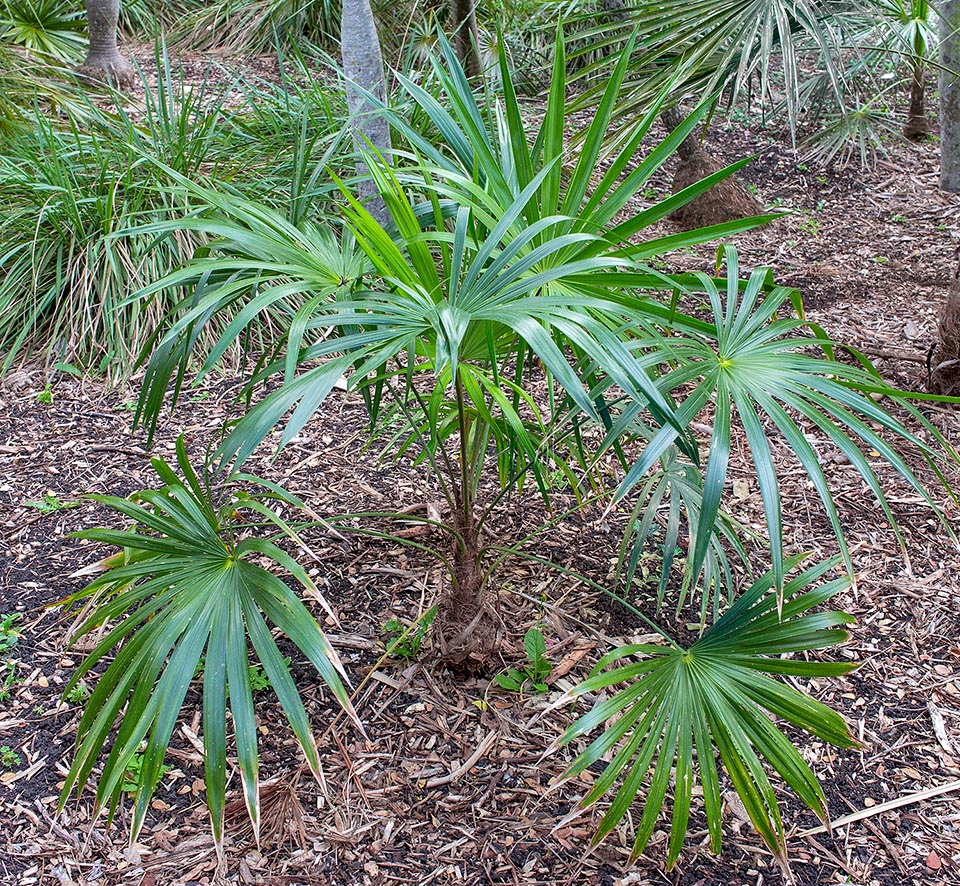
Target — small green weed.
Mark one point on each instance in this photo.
(78, 694)
(802, 167)
(131, 777)
(8, 679)
(405, 641)
(9, 635)
(9, 757)
(259, 681)
(46, 395)
(810, 226)
(881, 259)
(538, 666)
(50, 503)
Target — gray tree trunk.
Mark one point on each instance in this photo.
(104, 63)
(363, 70)
(950, 95)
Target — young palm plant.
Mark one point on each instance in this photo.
(508, 262)
(463, 308)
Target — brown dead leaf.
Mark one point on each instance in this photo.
(565, 665)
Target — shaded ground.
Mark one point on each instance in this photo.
(449, 785)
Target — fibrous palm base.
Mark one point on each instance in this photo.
(114, 70)
(281, 815)
(917, 126)
(724, 202)
(466, 627)
(945, 362)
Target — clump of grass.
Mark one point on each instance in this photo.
(82, 195)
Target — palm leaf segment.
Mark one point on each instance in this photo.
(185, 588)
(681, 705)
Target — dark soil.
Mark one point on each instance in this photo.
(450, 782)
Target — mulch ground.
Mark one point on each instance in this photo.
(455, 780)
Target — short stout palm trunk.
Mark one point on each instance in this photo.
(725, 201)
(104, 63)
(466, 627)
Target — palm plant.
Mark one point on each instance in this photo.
(48, 27)
(514, 283)
(255, 27)
(899, 33)
(505, 247)
(707, 45)
(814, 56)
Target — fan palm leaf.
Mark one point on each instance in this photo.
(680, 708)
(185, 587)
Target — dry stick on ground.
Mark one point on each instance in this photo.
(882, 837)
(907, 800)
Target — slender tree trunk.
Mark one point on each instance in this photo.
(466, 627)
(363, 70)
(917, 126)
(465, 36)
(950, 95)
(104, 63)
(725, 201)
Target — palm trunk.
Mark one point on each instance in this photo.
(725, 201)
(944, 358)
(104, 63)
(917, 126)
(465, 36)
(466, 629)
(363, 70)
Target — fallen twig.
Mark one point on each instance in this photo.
(916, 797)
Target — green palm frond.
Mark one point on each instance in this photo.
(681, 708)
(190, 583)
(669, 503)
(708, 44)
(54, 28)
(760, 365)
